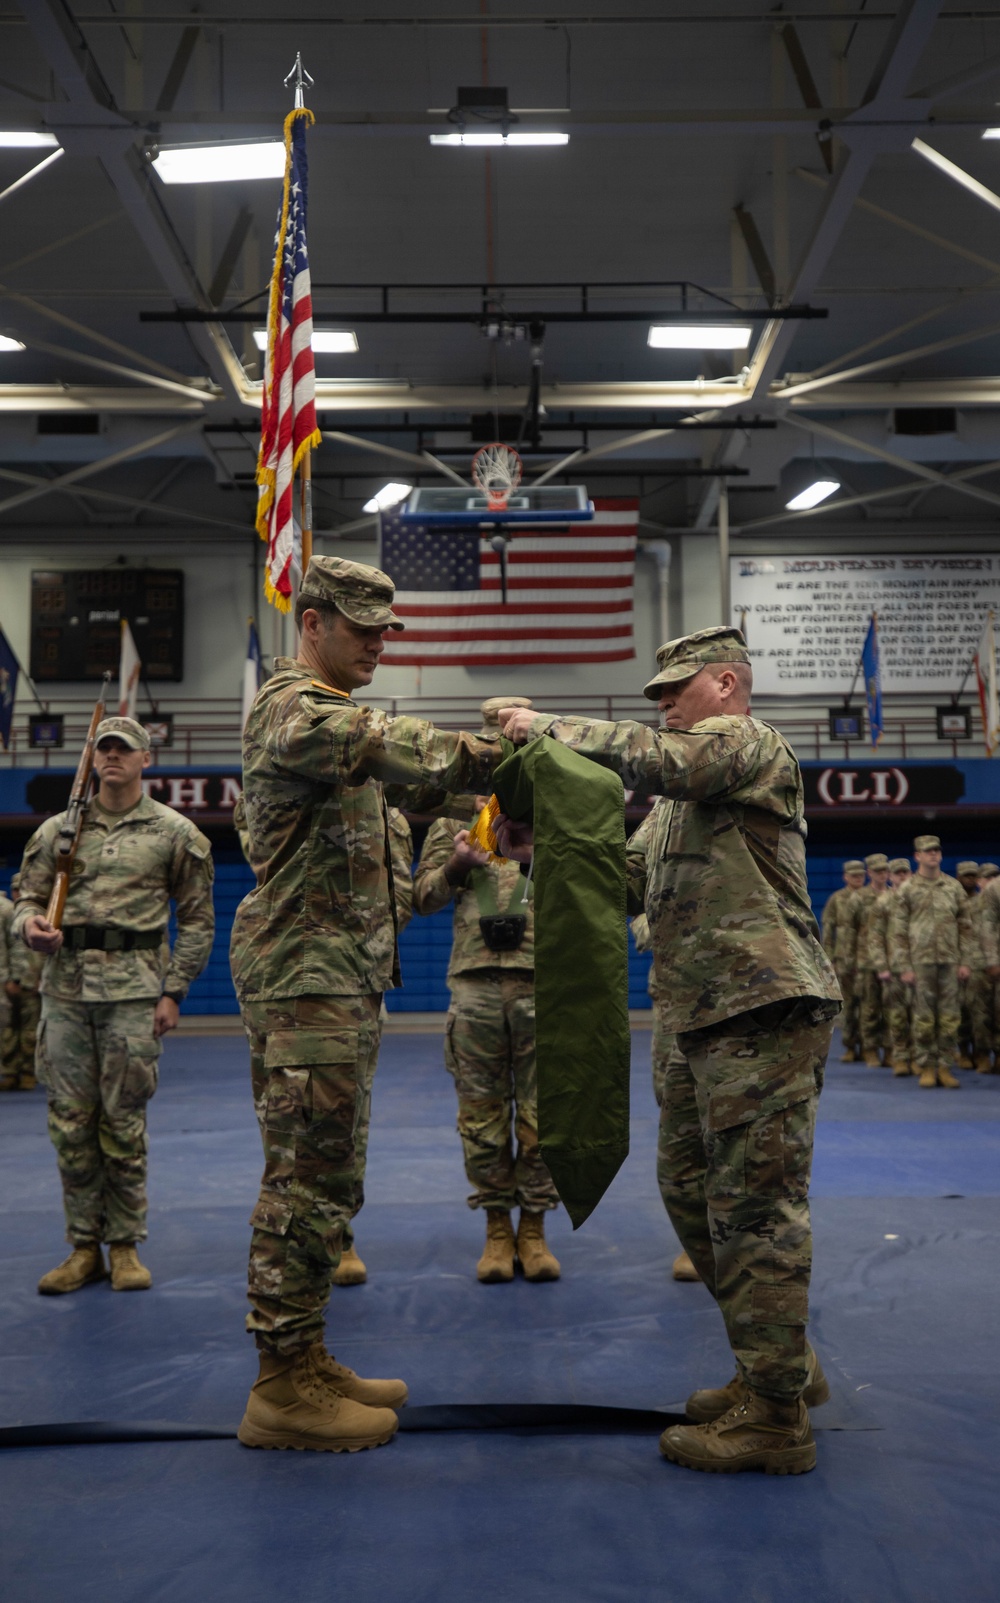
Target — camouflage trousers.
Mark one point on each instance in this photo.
(489, 1049)
(663, 1049)
(312, 1062)
(872, 1020)
(733, 1164)
(20, 1035)
(850, 1018)
(99, 1063)
(978, 1026)
(897, 1001)
(936, 1015)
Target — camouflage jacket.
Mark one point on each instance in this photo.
(401, 851)
(6, 944)
(321, 919)
(877, 934)
(979, 906)
(989, 924)
(722, 873)
(432, 890)
(641, 933)
(840, 927)
(866, 911)
(128, 869)
(929, 922)
(26, 966)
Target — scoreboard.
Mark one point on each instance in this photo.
(76, 617)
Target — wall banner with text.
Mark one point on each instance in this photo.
(807, 616)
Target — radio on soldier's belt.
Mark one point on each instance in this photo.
(95, 938)
(502, 932)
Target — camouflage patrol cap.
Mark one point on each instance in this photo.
(362, 594)
(967, 868)
(854, 866)
(986, 871)
(127, 729)
(682, 659)
(900, 865)
(491, 706)
(927, 843)
(876, 861)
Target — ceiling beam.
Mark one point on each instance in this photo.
(979, 470)
(63, 482)
(970, 335)
(864, 140)
(917, 470)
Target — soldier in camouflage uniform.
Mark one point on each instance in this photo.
(20, 1036)
(840, 940)
(930, 946)
(867, 983)
(351, 1270)
(973, 1042)
(313, 949)
(896, 997)
(980, 989)
(989, 935)
(6, 920)
(752, 999)
(489, 1044)
(110, 990)
(664, 1049)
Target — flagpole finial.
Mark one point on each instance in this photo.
(299, 77)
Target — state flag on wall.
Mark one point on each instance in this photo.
(570, 592)
(129, 669)
(871, 667)
(9, 670)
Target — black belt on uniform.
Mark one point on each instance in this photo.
(94, 938)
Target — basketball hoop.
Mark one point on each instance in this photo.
(496, 470)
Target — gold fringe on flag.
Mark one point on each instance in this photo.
(482, 833)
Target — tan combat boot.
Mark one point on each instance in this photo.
(533, 1253)
(849, 1055)
(127, 1273)
(964, 1061)
(947, 1079)
(900, 1067)
(497, 1262)
(873, 1060)
(83, 1265)
(373, 1393)
(683, 1268)
(711, 1403)
(8, 1082)
(758, 1433)
(928, 1079)
(982, 1061)
(26, 1082)
(292, 1405)
(350, 1271)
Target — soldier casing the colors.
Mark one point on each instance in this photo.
(752, 998)
(490, 1037)
(313, 949)
(110, 990)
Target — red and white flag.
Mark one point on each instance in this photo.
(129, 669)
(569, 592)
(985, 661)
(288, 410)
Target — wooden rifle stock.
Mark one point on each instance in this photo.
(68, 838)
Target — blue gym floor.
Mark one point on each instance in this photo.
(902, 1506)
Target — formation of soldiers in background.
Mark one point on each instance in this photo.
(917, 955)
(20, 1003)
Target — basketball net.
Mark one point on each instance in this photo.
(496, 470)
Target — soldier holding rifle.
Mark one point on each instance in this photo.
(96, 887)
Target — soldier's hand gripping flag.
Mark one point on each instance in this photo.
(288, 428)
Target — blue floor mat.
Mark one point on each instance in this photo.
(905, 1313)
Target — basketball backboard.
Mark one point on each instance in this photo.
(448, 506)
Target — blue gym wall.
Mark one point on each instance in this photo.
(425, 945)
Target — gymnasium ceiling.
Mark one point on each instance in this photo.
(761, 155)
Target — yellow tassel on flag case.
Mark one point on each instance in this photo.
(482, 833)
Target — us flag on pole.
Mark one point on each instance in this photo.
(288, 410)
(570, 592)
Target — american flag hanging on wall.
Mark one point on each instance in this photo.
(288, 411)
(570, 592)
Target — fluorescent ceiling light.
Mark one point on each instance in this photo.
(991, 133)
(17, 139)
(700, 336)
(812, 495)
(498, 138)
(220, 164)
(325, 341)
(951, 169)
(7, 344)
(389, 496)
